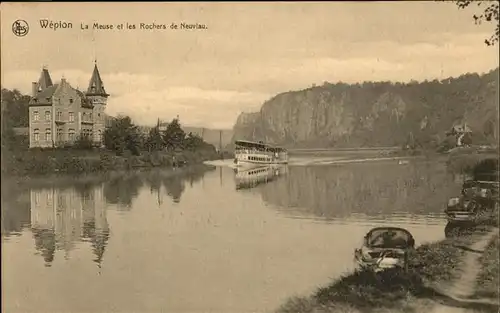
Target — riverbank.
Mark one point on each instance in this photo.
(34, 162)
(431, 265)
(487, 283)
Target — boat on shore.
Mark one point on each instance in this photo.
(384, 248)
(251, 154)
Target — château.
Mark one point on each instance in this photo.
(59, 114)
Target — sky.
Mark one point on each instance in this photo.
(247, 53)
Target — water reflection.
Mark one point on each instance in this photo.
(193, 237)
(64, 213)
(62, 217)
(15, 208)
(122, 190)
(173, 184)
(247, 178)
(332, 192)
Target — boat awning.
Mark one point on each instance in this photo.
(259, 145)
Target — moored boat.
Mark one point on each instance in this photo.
(249, 153)
(384, 248)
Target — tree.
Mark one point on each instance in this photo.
(193, 142)
(174, 135)
(83, 142)
(490, 13)
(122, 135)
(154, 141)
(15, 112)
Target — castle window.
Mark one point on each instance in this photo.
(90, 116)
(36, 135)
(59, 116)
(47, 115)
(71, 134)
(99, 135)
(71, 117)
(48, 135)
(59, 134)
(37, 197)
(70, 100)
(36, 116)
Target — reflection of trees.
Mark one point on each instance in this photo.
(174, 187)
(335, 191)
(45, 244)
(15, 212)
(122, 190)
(175, 182)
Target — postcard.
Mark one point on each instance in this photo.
(237, 157)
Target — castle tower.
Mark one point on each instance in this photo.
(99, 98)
(40, 111)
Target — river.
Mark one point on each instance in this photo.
(205, 240)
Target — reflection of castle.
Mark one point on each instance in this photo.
(61, 218)
(249, 178)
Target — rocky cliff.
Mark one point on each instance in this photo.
(376, 113)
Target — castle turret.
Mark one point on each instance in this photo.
(98, 97)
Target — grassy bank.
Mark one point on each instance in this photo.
(488, 278)
(40, 162)
(392, 290)
(62, 180)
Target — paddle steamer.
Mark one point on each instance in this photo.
(249, 153)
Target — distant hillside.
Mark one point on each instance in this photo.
(212, 136)
(376, 113)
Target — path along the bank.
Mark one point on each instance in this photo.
(460, 291)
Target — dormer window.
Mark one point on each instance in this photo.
(39, 88)
(70, 100)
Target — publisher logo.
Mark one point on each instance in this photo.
(20, 28)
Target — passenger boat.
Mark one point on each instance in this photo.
(249, 153)
(246, 178)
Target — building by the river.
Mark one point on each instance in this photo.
(59, 114)
(62, 219)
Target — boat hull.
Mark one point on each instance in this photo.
(240, 163)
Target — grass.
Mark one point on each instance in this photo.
(488, 278)
(41, 162)
(391, 290)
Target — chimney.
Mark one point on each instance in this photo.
(34, 89)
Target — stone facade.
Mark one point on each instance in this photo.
(61, 114)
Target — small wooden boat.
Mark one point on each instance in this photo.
(384, 248)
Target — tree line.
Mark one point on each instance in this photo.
(123, 136)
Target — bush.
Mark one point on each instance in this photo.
(365, 288)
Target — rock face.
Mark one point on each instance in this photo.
(376, 114)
